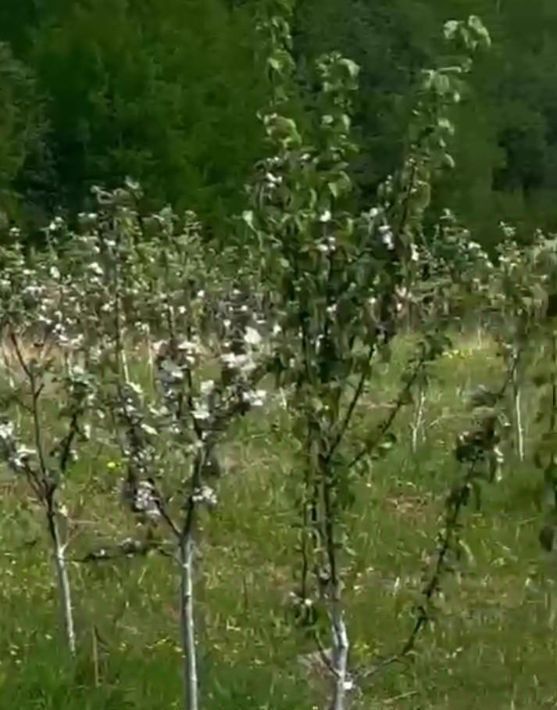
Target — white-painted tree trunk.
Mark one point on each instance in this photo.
(519, 425)
(339, 656)
(125, 367)
(191, 683)
(518, 416)
(418, 420)
(150, 358)
(64, 587)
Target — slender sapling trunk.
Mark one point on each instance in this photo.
(418, 420)
(61, 565)
(187, 616)
(517, 407)
(340, 640)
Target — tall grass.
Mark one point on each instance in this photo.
(493, 642)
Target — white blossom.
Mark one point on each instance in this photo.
(95, 268)
(201, 412)
(387, 237)
(170, 372)
(207, 386)
(255, 398)
(188, 346)
(252, 337)
(242, 362)
(6, 431)
(205, 496)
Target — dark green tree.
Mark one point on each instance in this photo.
(505, 145)
(163, 91)
(22, 130)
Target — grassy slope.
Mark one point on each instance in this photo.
(494, 644)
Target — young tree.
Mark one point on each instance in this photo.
(40, 344)
(338, 282)
(152, 272)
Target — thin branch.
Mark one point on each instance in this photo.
(37, 428)
(126, 549)
(384, 427)
(167, 518)
(456, 502)
(19, 354)
(352, 406)
(67, 441)
(323, 655)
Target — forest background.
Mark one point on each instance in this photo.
(168, 92)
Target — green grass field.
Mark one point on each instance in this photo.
(493, 643)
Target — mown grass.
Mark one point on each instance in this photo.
(493, 643)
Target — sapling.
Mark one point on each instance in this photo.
(206, 376)
(197, 412)
(39, 344)
(515, 292)
(339, 284)
(456, 274)
(544, 376)
(479, 453)
(426, 273)
(517, 295)
(546, 453)
(455, 277)
(513, 288)
(319, 268)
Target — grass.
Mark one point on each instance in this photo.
(493, 643)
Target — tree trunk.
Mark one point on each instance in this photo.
(64, 588)
(418, 420)
(340, 642)
(518, 408)
(191, 685)
(518, 421)
(339, 654)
